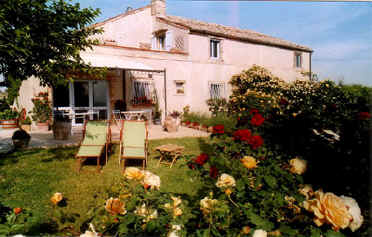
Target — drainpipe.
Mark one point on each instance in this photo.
(165, 92)
(310, 76)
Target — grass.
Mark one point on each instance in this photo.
(205, 119)
(29, 178)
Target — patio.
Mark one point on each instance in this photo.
(41, 139)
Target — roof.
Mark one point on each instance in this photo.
(112, 61)
(231, 32)
(129, 12)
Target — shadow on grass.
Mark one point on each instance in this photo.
(16, 155)
(59, 154)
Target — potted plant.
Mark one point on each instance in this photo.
(26, 124)
(61, 126)
(9, 118)
(176, 117)
(157, 114)
(21, 139)
(41, 112)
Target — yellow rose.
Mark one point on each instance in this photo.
(151, 180)
(329, 208)
(246, 230)
(298, 166)
(225, 180)
(177, 212)
(133, 173)
(249, 162)
(228, 191)
(176, 201)
(307, 191)
(56, 198)
(206, 205)
(115, 206)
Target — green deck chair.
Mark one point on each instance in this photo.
(133, 142)
(96, 138)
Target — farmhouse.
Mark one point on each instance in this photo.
(154, 58)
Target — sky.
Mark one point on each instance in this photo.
(340, 33)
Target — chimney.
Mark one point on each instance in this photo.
(158, 7)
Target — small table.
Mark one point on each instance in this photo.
(169, 150)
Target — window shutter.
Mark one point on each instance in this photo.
(168, 40)
(153, 43)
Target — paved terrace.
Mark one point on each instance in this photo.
(41, 139)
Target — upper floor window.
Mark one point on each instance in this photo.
(214, 48)
(298, 60)
(160, 41)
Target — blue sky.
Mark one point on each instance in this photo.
(339, 32)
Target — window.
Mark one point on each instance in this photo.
(160, 42)
(298, 60)
(217, 90)
(180, 87)
(60, 96)
(214, 48)
(143, 92)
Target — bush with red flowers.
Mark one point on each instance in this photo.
(218, 129)
(257, 120)
(242, 135)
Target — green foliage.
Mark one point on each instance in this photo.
(43, 39)
(26, 121)
(8, 114)
(3, 105)
(14, 223)
(13, 85)
(204, 119)
(217, 106)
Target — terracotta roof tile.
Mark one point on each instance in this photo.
(232, 32)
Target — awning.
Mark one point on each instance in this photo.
(113, 61)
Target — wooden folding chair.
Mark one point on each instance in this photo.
(133, 142)
(96, 138)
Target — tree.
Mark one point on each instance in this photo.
(43, 38)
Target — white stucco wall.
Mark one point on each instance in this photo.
(129, 30)
(28, 90)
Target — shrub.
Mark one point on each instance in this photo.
(42, 110)
(20, 135)
(8, 114)
(217, 106)
(326, 124)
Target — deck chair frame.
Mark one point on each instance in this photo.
(123, 158)
(105, 146)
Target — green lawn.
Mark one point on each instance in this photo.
(29, 178)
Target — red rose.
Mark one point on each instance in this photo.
(242, 135)
(283, 101)
(191, 166)
(201, 159)
(187, 122)
(255, 141)
(213, 172)
(218, 129)
(253, 111)
(257, 120)
(17, 210)
(364, 116)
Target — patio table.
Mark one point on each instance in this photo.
(171, 151)
(130, 115)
